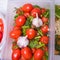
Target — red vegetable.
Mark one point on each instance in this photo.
(26, 53)
(15, 34)
(16, 54)
(43, 10)
(45, 29)
(38, 54)
(27, 7)
(34, 11)
(20, 20)
(31, 33)
(1, 35)
(44, 19)
(44, 39)
(26, 15)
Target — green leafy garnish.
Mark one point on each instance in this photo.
(16, 16)
(24, 29)
(57, 11)
(35, 43)
(40, 32)
(36, 6)
(46, 14)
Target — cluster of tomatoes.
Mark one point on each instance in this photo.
(1, 29)
(27, 53)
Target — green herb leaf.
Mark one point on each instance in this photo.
(24, 29)
(46, 14)
(36, 6)
(16, 16)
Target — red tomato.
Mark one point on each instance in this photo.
(1, 23)
(1, 35)
(44, 39)
(45, 48)
(22, 58)
(31, 33)
(43, 10)
(26, 53)
(27, 7)
(16, 28)
(38, 54)
(20, 20)
(26, 15)
(18, 10)
(45, 29)
(16, 54)
(34, 50)
(1, 28)
(34, 11)
(44, 19)
(15, 34)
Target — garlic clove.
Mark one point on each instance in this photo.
(37, 21)
(22, 41)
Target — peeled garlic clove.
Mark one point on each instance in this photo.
(22, 41)
(37, 21)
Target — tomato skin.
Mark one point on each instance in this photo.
(1, 22)
(31, 33)
(18, 10)
(16, 28)
(46, 49)
(20, 21)
(26, 53)
(15, 34)
(44, 39)
(43, 10)
(16, 54)
(34, 50)
(38, 54)
(1, 35)
(44, 19)
(26, 15)
(34, 11)
(45, 29)
(27, 7)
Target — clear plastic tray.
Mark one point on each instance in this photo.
(55, 57)
(9, 17)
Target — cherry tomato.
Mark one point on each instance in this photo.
(20, 20)
(26, 53)
(1, 23)
(26, 15)
(1, 28)
(18, 10)
(44, 19)
(43, 10)
(15, 34)
(27, 7)
(22, 58)
(45, 29)
(45, 48)
(34, 50)
(38, 55)
(16, 54)
(34, 11)
(31, 33)
(44, 39)
(16, 28)
(1, 35)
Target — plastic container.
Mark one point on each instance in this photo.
(55, 57)
(4, 34)
(7, 51)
